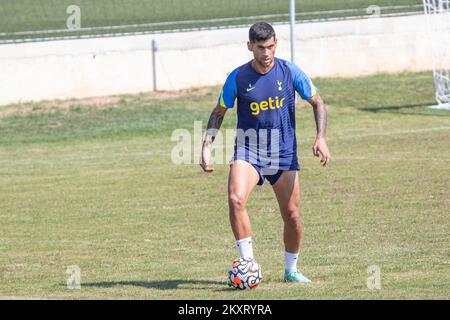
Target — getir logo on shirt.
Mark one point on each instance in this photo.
(269, 104)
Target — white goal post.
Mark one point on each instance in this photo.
(438, 14)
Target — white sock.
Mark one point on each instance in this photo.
(290, 260)
(245, 247)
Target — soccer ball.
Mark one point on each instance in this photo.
(244, 273)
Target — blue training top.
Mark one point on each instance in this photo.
(266, 112)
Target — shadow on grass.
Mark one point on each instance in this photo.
(401, 109)
(163, 284)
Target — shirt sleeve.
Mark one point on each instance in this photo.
(229, 91)
(302, 83)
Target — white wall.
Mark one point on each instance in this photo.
(119, 65)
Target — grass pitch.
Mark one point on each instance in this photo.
(91, 183)
(45, 16)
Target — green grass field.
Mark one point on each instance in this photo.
(91, 183)
(31, 15)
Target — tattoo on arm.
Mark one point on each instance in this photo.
(320, 115)
(214, 123)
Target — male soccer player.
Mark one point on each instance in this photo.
(266, 145)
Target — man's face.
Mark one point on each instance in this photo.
(263, 51)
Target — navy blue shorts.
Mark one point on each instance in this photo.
(272, 175)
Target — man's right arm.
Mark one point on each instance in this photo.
(214, 123)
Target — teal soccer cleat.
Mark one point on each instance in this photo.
(295, 276)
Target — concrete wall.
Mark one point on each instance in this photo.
(119, 65)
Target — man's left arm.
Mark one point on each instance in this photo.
(320, 115)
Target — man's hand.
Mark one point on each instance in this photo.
(205, 157)
(320, 148)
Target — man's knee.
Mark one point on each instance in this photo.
(291, 215)
(237, 201)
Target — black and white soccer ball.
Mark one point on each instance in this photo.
(244, 273)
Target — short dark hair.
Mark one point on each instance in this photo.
(261, 31)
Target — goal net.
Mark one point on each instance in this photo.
(438, 12)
